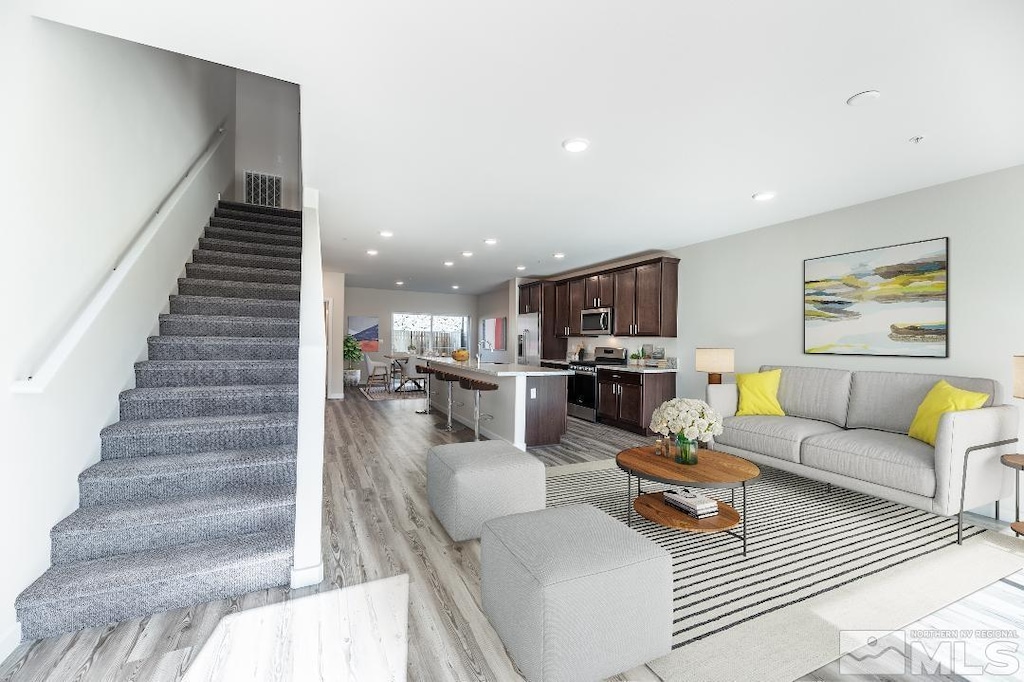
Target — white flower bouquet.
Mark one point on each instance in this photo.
(692, 419)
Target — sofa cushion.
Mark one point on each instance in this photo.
(888, 401)
(814, 392)
(773, 436)
(758, 394)
(889, 459)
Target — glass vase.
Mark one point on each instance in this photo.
(686, 452)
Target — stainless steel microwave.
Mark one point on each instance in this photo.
(596, 321)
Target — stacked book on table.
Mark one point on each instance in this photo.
(696, 505)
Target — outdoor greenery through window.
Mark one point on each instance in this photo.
(420, 333)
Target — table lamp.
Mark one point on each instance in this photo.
(715, 361)
(1018, 376)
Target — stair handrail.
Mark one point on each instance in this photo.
(58, 351)
(307, 563)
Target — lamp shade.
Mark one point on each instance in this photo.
(1018, 376)
(715, 360)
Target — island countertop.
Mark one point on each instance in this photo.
(497, 369)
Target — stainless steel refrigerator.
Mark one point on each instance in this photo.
(528, 346)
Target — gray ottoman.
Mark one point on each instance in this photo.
(575, 594)
(469, 483)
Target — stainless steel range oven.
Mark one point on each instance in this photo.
(582, 392)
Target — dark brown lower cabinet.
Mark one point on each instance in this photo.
(545, 410)
(628, 399)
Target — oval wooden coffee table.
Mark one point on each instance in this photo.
(713, 470)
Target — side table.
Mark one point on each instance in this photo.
(1015, 462)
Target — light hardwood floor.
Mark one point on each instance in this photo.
(377, 525)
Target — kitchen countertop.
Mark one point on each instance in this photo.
(642, 370)
(495, 369)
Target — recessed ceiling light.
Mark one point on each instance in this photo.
(399, 283)
(575, 144)
(862, 98)
(386, 233)
(763, 196)
(467, 254)
(371, 252)
(455, 286)
(520, 267)
(491, 241)
(558, 255)
(449, 263)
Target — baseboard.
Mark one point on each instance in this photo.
(10, 640)
(335, 396)
(309, 575)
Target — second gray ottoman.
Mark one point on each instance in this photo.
(575, 594)
(469, 483)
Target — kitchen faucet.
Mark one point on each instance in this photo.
(482, 344)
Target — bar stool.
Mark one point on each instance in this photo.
(477, 385)
(449, 379)
(426, 371)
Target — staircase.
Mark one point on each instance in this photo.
(193, 498)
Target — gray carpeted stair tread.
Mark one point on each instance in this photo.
(162, 476)
(256, 208)
(242, 274)
(112, 589)
(121, 528)
(181, 435)
(266, 218)
(245, 260)
(152, 475)
(174, 324)
(190, 424)
(226, 289)
(232, 306)
(207, 401)
(229, 246)
(154, 373)
(255, 225)
(250, 236)
(223, 348)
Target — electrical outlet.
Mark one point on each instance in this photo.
(533, 394)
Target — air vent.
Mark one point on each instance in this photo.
(262, 189)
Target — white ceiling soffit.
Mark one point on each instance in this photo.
(443, 122)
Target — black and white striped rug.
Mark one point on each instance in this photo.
(804, 539)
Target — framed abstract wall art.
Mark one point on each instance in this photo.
(366, 329)
(891, 300)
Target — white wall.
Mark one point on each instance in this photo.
(384, 302)
(746, 291)
(108, 129)
(267, 133)
(334, 291)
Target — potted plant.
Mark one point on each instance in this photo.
(637, 357)
(353, 355)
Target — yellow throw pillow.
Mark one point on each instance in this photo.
(759, 393)
(941, 399)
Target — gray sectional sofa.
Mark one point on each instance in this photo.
(850, 429)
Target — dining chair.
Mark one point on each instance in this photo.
(377, 373)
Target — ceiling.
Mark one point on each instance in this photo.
(441, 122)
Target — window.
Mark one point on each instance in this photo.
(422, 333)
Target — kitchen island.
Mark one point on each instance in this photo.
(528, 408)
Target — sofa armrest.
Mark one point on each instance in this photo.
(987, 479)
(723, 398)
